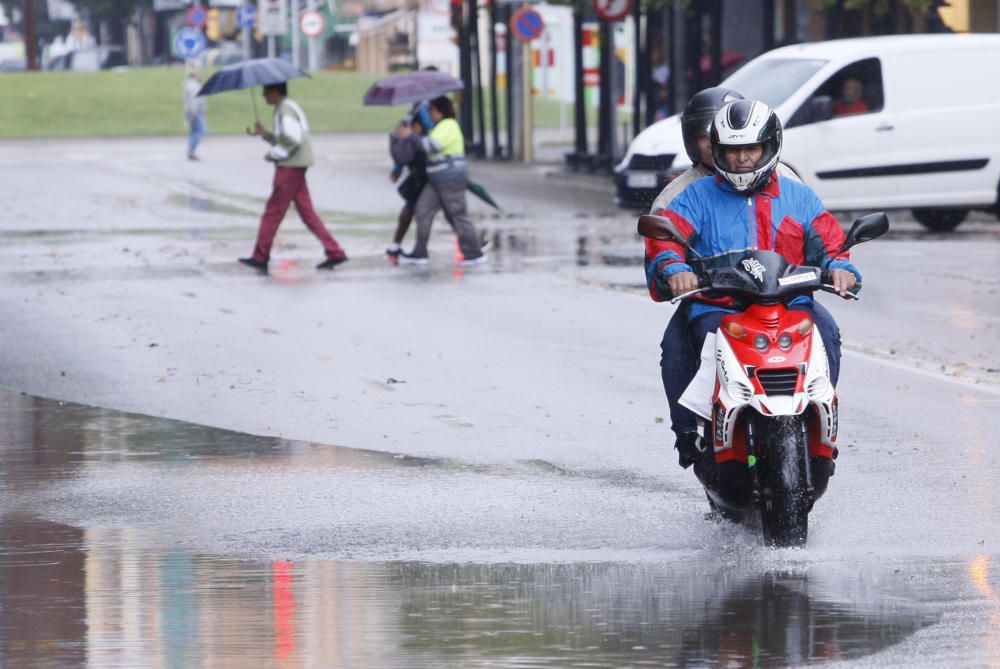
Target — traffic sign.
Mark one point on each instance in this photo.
(312, 23)
(189, 43)
(246, 16)
(272, 17)
(196, 16)
(526, 24)
(612, 10)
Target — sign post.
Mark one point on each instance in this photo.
(245, 19)
(312, 24)
(273, 21)
(526, 25)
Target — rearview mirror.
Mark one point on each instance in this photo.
(864, 229)
(867, 228)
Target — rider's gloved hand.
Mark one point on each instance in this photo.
(689, 449)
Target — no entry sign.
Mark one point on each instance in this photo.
(612, 10)
(526, 24)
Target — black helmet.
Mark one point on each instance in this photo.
(740, 124)
(699, 113)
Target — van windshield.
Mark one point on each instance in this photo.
(772, 80)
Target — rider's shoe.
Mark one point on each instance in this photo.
(689, 449)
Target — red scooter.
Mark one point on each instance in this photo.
(772, 419)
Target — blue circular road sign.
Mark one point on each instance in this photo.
(246, 16)
(189, 43)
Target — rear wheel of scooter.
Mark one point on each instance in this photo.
(784, 503)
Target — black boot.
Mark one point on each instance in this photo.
(689, 449)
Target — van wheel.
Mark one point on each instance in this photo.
(940, 220)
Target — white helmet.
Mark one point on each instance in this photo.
(742, 123)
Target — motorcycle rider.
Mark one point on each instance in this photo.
(676, 357)
(746, 204)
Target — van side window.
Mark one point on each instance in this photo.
(855, 89)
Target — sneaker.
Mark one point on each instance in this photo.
(330, 263)
(255, 264)
(191, 156)
(478, 260)
(407, 259)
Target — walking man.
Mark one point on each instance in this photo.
(194, 111)
(291, 153)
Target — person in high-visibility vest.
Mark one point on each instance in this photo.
(448, 176)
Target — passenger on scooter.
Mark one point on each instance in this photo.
(746, 205)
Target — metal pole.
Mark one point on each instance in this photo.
(312, 44)
(606, 107)
(270, 46)
(477, 77)
(579, 104)
(494, 111)
(465, 71)
(511, 80)
(296, 47)
(246, 39)
(528, 125)
(641, 68)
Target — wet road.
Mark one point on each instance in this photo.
(502, 494)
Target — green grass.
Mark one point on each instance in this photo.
(147, 101)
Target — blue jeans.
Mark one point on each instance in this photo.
(196, 129)
(681, 355)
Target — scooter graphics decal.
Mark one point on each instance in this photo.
(753, 266)
(796, 278)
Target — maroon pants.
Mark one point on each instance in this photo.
(290, 186)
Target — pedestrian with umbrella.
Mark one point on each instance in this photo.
(448, 177)
(290, 151)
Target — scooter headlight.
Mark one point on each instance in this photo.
(785, 341)
(761, 343)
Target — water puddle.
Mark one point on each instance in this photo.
(102, 567)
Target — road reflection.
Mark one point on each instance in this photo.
(118, 596)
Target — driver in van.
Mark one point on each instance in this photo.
(850, 101)
(746, 204)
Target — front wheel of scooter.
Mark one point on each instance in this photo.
(784, 483)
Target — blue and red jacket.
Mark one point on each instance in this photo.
(785, 216)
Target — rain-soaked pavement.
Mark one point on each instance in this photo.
(457, 468)
(133, 541)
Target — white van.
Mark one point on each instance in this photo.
(925, 134)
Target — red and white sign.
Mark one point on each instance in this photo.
(612, 10)
(312, 23)
(527, 24)
(440, 7)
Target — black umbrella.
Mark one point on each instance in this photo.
(412, 87)
(482, 194)
(251, 73)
